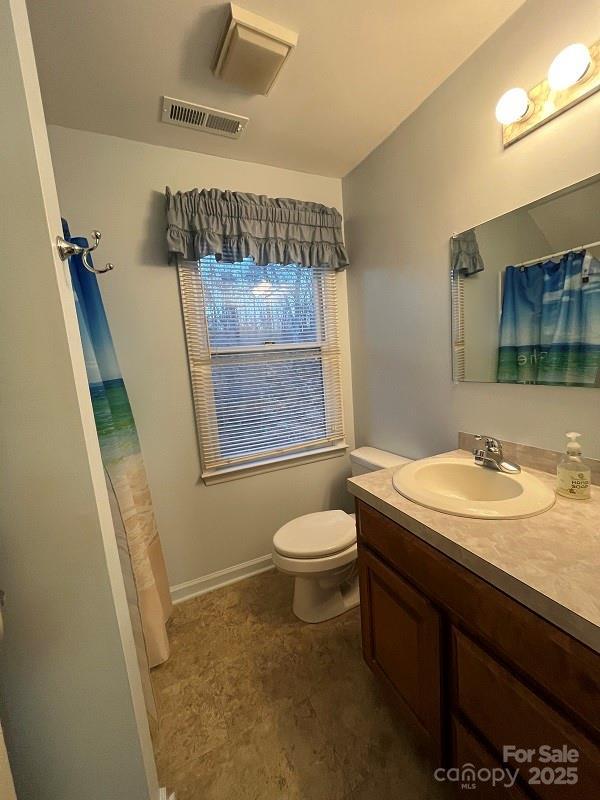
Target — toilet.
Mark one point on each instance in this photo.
(319, 550)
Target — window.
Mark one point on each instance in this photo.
(264, 361)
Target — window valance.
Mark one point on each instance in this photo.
(465, 256)
(234, 225)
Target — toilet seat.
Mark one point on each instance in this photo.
(315, 566)
(320, 551)
(316, 536)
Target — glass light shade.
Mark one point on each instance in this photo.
(569, 66)
(512, 106)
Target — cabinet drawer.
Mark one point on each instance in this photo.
(401, 642)
(506, 712)
(466, 750)
(568, 670)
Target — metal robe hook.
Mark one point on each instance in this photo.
(68, 249)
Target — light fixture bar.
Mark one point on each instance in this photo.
(547, 103)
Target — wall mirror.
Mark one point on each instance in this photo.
(526, 293)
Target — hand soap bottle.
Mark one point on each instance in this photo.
(573, 474)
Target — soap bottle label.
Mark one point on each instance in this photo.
(574, 483)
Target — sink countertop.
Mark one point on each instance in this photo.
(549, 563)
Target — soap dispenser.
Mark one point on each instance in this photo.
(573, 474)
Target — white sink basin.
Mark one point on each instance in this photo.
(461, 487)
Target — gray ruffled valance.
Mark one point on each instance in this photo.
(465, 255)
(233, 226)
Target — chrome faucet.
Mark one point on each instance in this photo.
(490, 455)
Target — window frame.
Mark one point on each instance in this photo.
(202, 357)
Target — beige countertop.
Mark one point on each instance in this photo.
(549, 563)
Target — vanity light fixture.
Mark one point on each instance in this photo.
(512, 106)
(569, 67)
(573, 75)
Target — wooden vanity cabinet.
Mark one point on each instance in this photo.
(473, 669)
(402, 643)
(467, 749)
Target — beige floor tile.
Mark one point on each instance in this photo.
(254, 705)
(285, 756)
(409, 784)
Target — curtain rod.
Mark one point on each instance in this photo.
(554, 255)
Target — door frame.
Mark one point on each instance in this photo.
(21, 60)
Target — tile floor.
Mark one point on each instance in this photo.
(255, 705)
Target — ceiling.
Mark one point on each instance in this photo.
(570, 220)
(359, 69)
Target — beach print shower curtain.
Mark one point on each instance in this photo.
(131, 502)
(550, 323)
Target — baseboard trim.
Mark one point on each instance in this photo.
(215, 580)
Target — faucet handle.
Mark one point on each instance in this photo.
(491, 455)
(491, 444)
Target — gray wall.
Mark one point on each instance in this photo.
(66, 693)
(204, 529)
(442, 171)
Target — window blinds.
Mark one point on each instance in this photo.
(264, 360)
(457, 284)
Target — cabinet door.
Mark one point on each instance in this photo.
(468, 752)
(505, 711)
(401, 642)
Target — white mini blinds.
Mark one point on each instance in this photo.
(264, 361)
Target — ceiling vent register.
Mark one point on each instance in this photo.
(253, 51)
(203, 118)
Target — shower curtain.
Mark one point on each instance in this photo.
(131, 502)
(550, 323)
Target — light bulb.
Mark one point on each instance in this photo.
(569, 66)
(512, 106)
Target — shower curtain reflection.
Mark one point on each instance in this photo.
(550, 323)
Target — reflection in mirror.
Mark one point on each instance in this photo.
(526, 293)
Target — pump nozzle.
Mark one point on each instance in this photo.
(573, 446)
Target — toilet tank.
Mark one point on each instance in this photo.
(369, 459)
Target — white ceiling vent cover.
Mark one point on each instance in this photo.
(253, 50)
(203, 118)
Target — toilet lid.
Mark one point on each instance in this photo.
(314, 535)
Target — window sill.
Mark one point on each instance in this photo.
(282, 462)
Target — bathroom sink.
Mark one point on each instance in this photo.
(461, 487)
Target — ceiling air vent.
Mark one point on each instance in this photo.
(202, 118)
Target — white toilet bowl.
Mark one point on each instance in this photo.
(319, 551)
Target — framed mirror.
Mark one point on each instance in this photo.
(525, 290)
